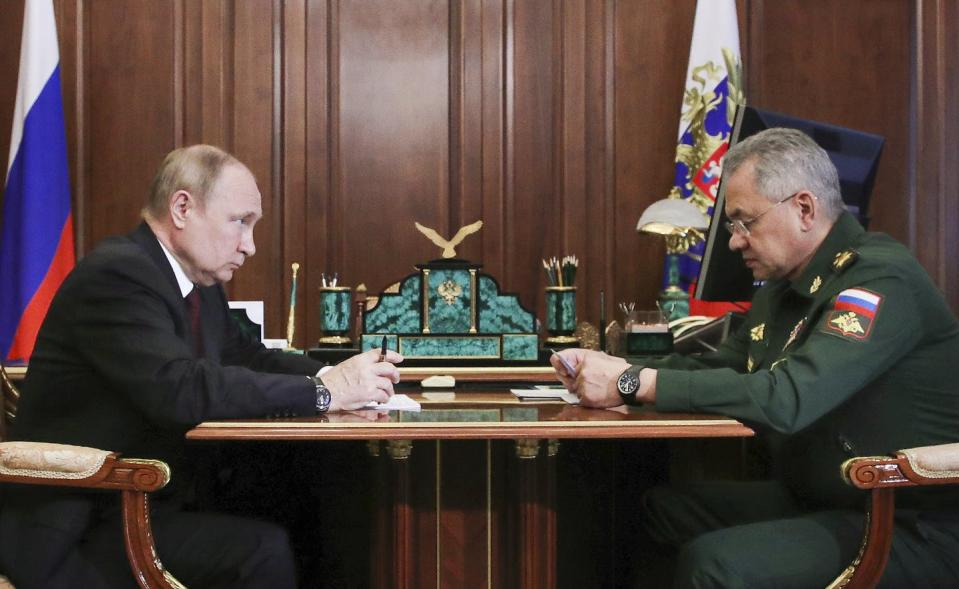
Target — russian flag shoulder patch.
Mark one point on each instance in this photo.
(852, 314)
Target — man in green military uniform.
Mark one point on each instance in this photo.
(848, 350)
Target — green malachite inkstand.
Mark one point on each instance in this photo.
(450, 310)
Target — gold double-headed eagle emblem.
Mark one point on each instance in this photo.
(449, 291)
(848, 323)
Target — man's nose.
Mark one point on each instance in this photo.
(737, 241)
(247, 247)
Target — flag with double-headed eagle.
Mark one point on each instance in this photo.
(713, 90)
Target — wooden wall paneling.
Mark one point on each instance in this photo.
(849, 67)
(554, 122)
(491, 145)
(533, 202)
(293, 168)
(469, 51)
(392, 138)
(179, 73)
(208, 72)
(598, 189)
(651, 55)
(128, 104)
(935, 148)
(256, 137)
(322, 77)
(950, 158)
(570, 145)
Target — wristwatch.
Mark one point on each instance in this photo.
(323, 396)
(628, 383)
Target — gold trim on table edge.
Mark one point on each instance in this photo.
(411, 370)
(504, 425)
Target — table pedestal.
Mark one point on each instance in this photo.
(472, 513)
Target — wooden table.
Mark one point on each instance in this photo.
(467, 485)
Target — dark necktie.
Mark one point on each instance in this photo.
(193, 304)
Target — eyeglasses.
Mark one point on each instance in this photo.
(739, 227)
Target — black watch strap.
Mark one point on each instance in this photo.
(323, 396)
(628, 383)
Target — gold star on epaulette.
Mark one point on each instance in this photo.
(756, 333)
(816, 283)
(844, 259)
(750, 364)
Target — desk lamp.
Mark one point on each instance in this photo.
(682, 224)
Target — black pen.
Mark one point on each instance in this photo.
(383, 350)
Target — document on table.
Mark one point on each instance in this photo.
(543, 393)
(398, 402)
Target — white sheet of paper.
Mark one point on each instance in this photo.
(546, 393)
(398, 402)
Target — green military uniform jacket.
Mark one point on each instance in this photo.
(858, 356)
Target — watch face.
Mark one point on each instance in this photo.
(323, 399)
(628, 383)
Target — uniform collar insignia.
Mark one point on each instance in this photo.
(816, 283)
(843, 259)
(756, 333)
(750, 364)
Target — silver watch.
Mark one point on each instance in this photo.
(323, 396)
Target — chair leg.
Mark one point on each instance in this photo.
(141, 551)
(866, 570)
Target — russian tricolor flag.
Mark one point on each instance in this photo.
(36, 238)
(859, 301)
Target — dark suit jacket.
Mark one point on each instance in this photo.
(114, 368)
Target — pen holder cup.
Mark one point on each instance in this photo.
(561, 315)
(335, 308)
(647, 334)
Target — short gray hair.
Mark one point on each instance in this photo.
(785, 162)
(195, 169)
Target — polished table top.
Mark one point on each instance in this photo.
(489, 413)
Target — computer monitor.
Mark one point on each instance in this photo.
(722, 275)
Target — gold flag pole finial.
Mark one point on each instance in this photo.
(290, 323)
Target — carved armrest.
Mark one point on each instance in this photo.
(927, 465)
(40, 463)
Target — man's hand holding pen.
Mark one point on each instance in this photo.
(593, 377)
(365, 377)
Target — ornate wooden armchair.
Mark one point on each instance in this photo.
(35, 463)
(929, 465)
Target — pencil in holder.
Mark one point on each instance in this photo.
(561, 315)
(335, 309)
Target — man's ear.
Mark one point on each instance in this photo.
(808, 209)
(182, 205)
